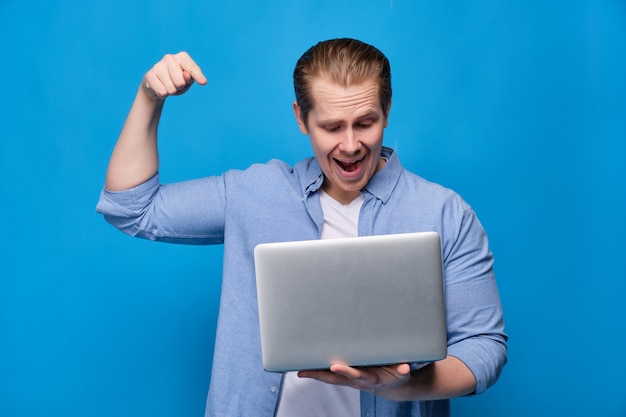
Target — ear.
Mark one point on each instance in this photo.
(298, 113)
(387, 118)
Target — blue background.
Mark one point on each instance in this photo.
(517, 105)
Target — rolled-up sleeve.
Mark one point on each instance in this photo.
(188, 212)
(474, 313)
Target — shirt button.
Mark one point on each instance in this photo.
(273, 388)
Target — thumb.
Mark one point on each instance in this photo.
(403, 369)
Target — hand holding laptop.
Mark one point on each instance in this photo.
(435, 380)
(373, 379)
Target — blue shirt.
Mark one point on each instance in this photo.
(276, 202)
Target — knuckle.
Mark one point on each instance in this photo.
(168, 58)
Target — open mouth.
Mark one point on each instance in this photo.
(349, 166)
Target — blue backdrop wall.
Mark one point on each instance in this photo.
(519, 106)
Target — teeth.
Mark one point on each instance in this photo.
(349, 166)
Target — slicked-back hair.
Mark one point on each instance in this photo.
(345, 62)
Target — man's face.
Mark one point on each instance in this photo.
(345, 127)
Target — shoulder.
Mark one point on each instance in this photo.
(274, 166)
(272, 175)
(431, 193)
(270, 168)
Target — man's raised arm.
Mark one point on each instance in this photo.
(135, 156)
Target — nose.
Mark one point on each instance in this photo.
(350, 143)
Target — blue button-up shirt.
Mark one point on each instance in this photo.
(276, 202)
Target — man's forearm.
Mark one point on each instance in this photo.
(135, 156)
(448, 378)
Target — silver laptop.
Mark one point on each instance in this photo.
(361, 301)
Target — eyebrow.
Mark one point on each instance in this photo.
(373, 115)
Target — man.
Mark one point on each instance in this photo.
(353, 186)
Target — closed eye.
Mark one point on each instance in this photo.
(366, 122)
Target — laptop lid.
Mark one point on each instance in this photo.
(360, 301)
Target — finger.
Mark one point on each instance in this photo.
(188, 78)
(403, 369)
(158, 80)
(347, 371)
(169, 74)
(372, 377)
(153, 86)
(325, 376)
(190, 66)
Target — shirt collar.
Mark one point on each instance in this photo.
(381, 185)
(311, 176)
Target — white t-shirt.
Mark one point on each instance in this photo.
(303, 397)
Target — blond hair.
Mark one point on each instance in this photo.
(344, 61)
